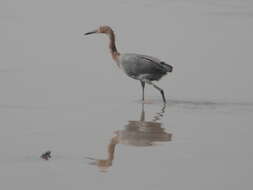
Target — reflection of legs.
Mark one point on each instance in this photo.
(159, 115)
(158, 88)
(142, 113)
(143, 86)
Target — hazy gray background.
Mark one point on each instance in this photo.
(61, 91)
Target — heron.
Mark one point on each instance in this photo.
(144, 68)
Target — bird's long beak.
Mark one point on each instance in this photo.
(91, 32)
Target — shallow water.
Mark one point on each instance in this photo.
(60, 91)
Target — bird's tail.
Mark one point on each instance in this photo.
(168, 67)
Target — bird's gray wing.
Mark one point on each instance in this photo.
(143, 67)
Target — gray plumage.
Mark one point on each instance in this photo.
(140, 67)
(143, 67)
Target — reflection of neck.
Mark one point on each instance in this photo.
(111, 148)
(115, 54)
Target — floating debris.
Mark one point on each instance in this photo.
(46, 155)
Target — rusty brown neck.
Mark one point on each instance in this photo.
(113, 50)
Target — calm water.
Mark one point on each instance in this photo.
(61, 91)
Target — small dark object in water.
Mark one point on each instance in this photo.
(46, 155)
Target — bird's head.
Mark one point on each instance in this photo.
(101, 29)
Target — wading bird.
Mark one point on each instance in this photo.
(140, 67)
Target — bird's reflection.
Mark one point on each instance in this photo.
(136, 133)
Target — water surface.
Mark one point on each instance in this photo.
(61, 91)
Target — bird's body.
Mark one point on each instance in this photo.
(140, 67)
(143, 67)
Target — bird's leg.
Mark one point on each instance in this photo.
(158, 88)
(143, 86)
